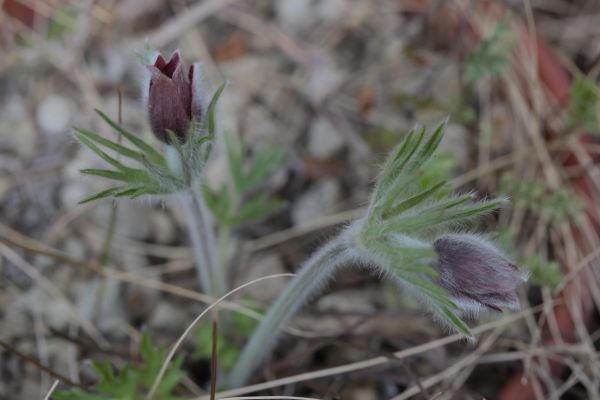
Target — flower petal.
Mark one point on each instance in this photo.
(172, 65)
(183, 88)
(476, 274)
(160, 62)
(165, 108)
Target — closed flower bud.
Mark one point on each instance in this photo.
(175, 97)
(476, 274)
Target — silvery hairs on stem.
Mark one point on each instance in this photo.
(403, 234)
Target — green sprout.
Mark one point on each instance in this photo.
(490, 57)
(133, 380)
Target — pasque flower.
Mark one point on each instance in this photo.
(175, 97)
(476, 275)
(454, 274)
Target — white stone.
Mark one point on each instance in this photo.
(324, 140)
(17, 131)
(54, 115)
(296, 16)
(132, 218)
(324, 77)
(347, 301)
(167, 316)
(333, 10)
(163, 227)
(455, 142)
(55, 311)
(446, 85)
(258, 268)
(259, 126)
(108, 314)
(319, 201)
(71, 194)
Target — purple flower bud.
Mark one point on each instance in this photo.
(175, 97)
(476, 274)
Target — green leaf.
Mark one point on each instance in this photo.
(133, 380)
(448, 203)
(150, 152)
(429, 148)
(76, 395)
(439, 168)
(105, 173)
(235, 160)
(124, 151)
(413, 201)
(146, 347)
(395, 163)
(406, 169)
(62, 21)
(403, 157)
(244, 325)
(583, 107)
(145, 55)
(543, 272)
(132, 192)
(256, 208)
(478, 208)
(104, 370)
(130, 175)
(441, 214)
(202, 139)
(219, 204)
(101, 195)
(490, 56)
(210, 112)
(453, 319)
(263, 165)
(173, 376)
(429, 289)
(422, 270)
(89, 144)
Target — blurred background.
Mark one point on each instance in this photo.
(335, 83)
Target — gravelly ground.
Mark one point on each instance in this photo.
(336, 83)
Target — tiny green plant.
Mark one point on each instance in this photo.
(558, 205)
(63, 21)
(490, 57)
(133, 380)
(543, 272)
(241, 200)
(583, 108)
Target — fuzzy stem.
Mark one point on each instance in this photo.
(313, 274)
(210, 274)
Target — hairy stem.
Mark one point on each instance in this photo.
(313, 274)
(210, 274)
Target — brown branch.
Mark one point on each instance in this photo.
(213, 362)
(37, 363)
